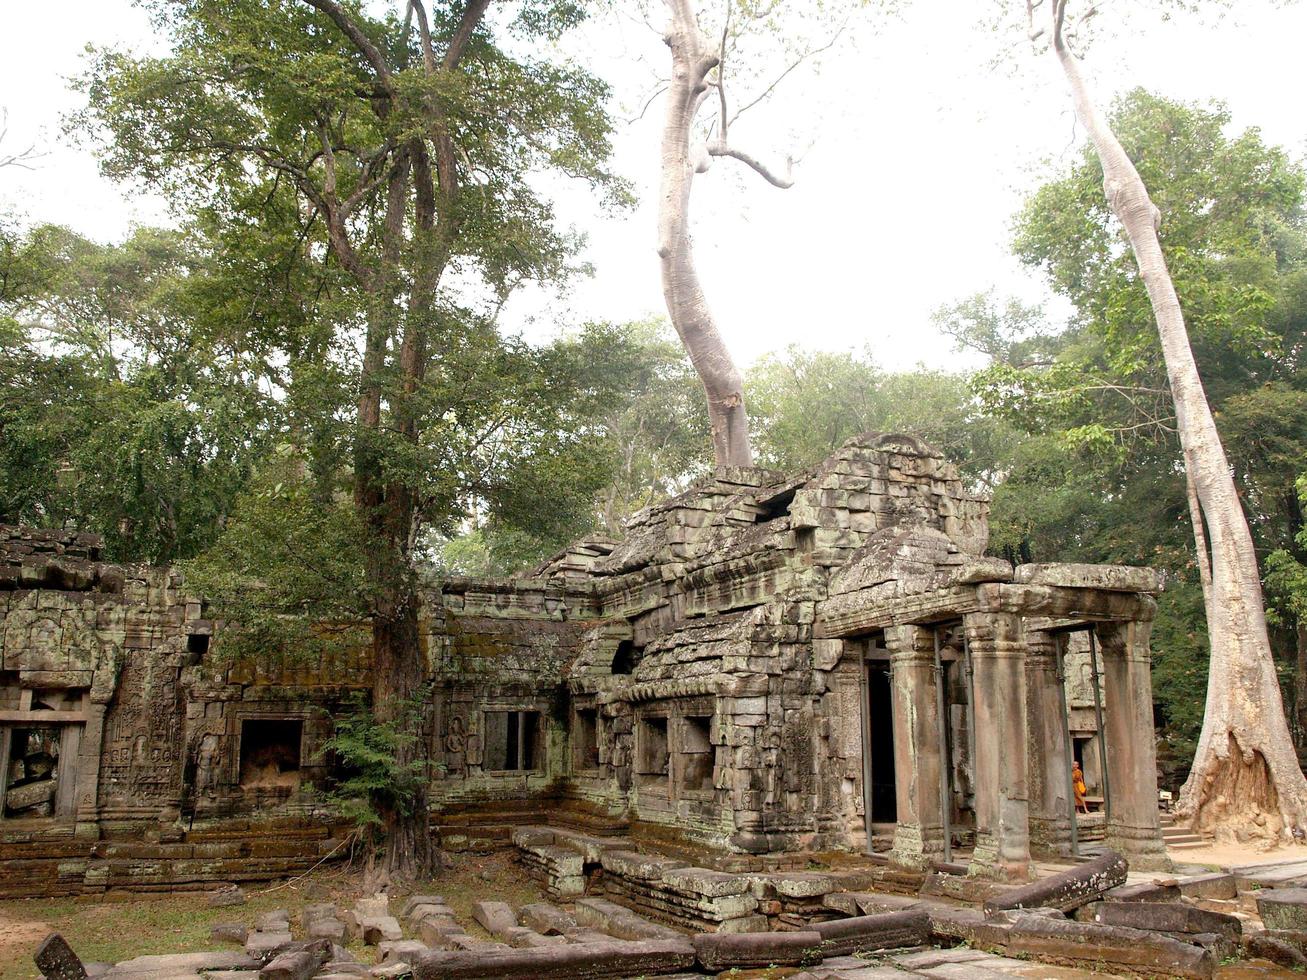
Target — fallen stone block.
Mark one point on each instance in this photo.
(413, 901)
(1219, 885)
(332, 929)
(427, 910)
(229, 932)
(373, 931)
(1167, 890)
(180, 963)
(57, 961)
(1283, 908)
(230, 895)
(547, 919)
(521, 937)
(266, 945)
(618, 921)
(579, 935)
(495, 917)
(1162, 917)
(373, 907)
(1066, 890)
(718, 952)
(297, 964)
(278, 920)
(867, 903)
(318, 910)
(702, 881)
(1276, 950)
(1109, 946)
(392, 970)
(953, 925)
(593, 961)
(436, 934)
(345, 967)
(885, 930)
(400, 949)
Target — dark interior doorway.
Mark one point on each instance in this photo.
(882, 799)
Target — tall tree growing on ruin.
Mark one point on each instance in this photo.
(406, 140)
(699, 76)
(1245, 776)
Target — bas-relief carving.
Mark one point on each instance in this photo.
(142, 731)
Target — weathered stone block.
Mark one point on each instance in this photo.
(1109, 946)
(57, 961)
(718, 951)
(594, 961)
(1283, 908)
(887, 930)
(497, 918)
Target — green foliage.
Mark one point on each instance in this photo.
(121, 411)
(366, 754)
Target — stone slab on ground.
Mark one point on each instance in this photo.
(1283, 908)
(547, 919)
(619, 921)
(1161, 890)
(868, 903)
(185, 962)
(400, 949)
(265, 945)
(333, 929)
(380, 928)
(495, 917)
(57, 961)
(953, 925)
(1066, 890)
(278, 920)
(594, 961)
(1162, 917)
(1218, 885)
(413, 901)
(297, 964)
(718, 952)
(1109, 946)
(229, 932)
(885, 930)
(230, 895)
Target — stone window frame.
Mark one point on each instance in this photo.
(684, 711)
(510, 706)
(590, 705)
(648, 781)
(236, 733)
(71, 721)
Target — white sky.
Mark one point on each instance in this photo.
(920, 155)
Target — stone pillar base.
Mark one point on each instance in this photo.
(1142, 847)
(915, 849)
(1050, 837)
(988, 861)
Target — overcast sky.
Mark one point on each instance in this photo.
(915, 155)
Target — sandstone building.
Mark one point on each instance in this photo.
(764, 668)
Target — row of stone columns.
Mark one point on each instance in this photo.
(1021, 755)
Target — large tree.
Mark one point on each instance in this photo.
(689, 146)
(407, 141)
(1245, 777)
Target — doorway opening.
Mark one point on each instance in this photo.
(882, 800)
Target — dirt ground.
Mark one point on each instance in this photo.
(1234, 855)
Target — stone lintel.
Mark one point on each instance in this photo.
(1056, 607)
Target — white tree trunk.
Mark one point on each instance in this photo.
(1245, 780)
(692, 60)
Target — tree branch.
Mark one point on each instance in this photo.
(722, 150)
(360, 40)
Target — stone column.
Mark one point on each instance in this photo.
(1050, 769)
(919, 832)
(1002, 798)
(1133, 824)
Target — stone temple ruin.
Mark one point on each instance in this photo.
(766, 669)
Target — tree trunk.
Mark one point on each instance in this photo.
(1300, 684)
(692, 60)
(1245, 780)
